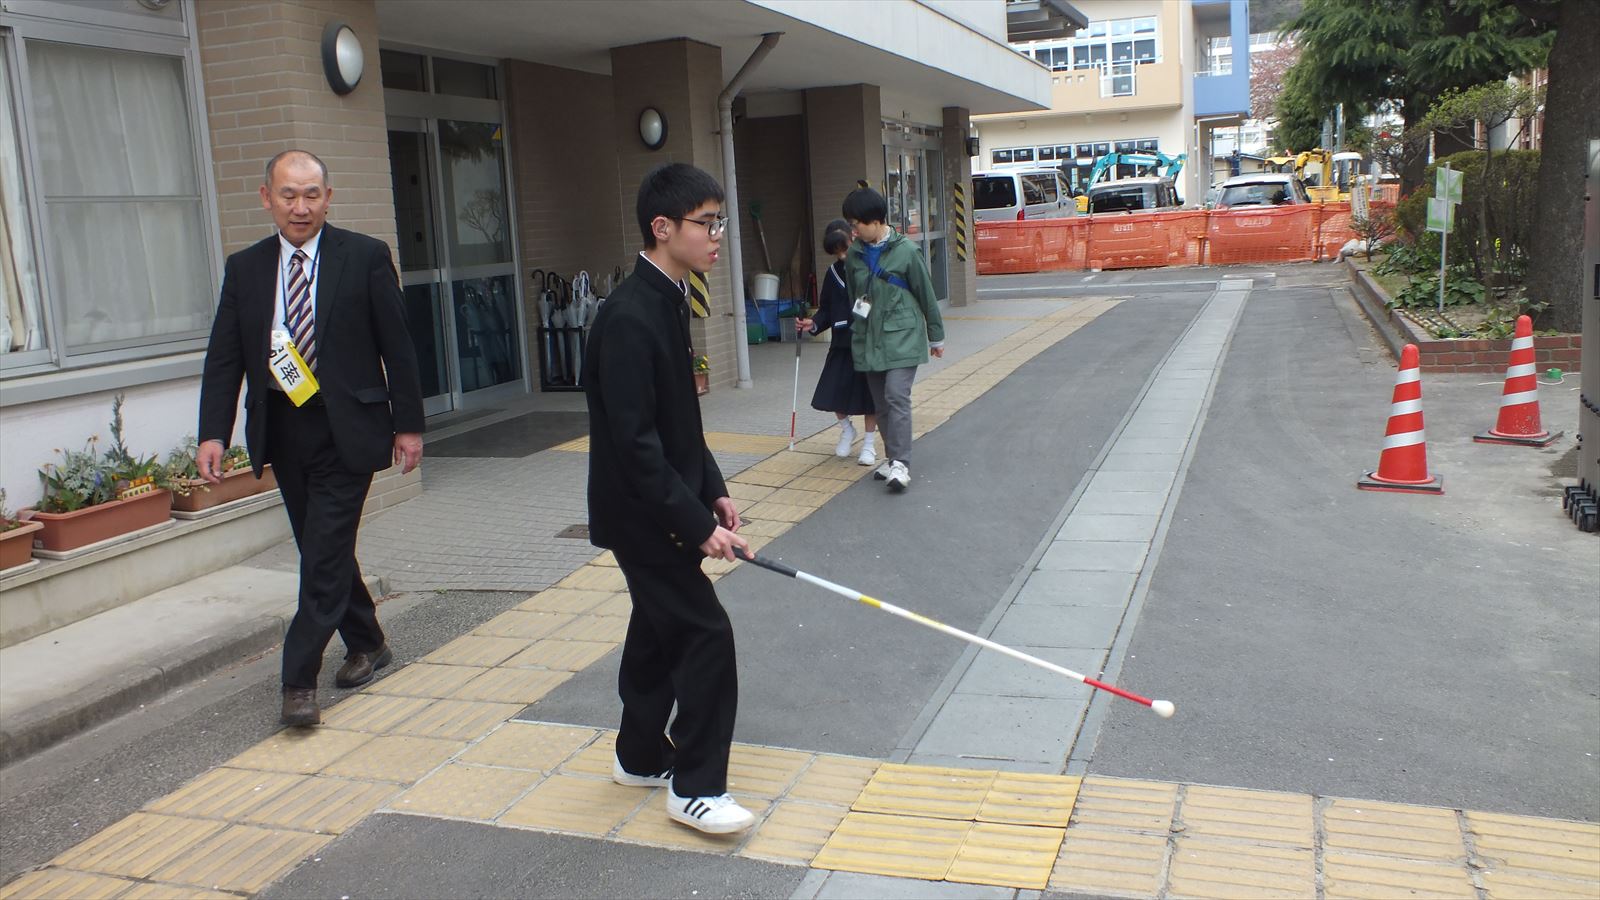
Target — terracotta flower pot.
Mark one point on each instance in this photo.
(16, 545)
(236, 485)
(701, 383)
(71, 530)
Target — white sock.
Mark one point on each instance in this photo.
(869, 440)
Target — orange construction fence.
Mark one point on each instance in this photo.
(1185, 237)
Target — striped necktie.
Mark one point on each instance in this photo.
(297, 310)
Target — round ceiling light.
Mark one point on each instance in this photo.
(652, 128)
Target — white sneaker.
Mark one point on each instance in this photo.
(899, 476)
(713, 815)
(868, 457)
(628, 779)
(847, 436)
(882, 473)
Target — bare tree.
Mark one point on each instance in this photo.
(1267, 71)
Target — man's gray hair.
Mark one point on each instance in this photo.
(273, 162)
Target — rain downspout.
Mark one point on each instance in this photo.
(730, 186)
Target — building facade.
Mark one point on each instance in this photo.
(489, 143)
(1142, 76)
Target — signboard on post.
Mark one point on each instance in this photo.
(1447, 184)
(1441, 214)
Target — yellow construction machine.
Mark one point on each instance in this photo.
(1316, 170)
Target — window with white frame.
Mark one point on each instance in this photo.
(1133, 41)
(111, 235)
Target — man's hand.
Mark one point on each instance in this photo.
(407, 451)
(209, 460)
(938, 352)
(721, 545)
(801, 325)
(727, 514)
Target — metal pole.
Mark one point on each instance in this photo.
(730, 187)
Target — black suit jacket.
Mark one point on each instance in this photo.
(652, 480)
(366, 363)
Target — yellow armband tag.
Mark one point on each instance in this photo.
(290, 369)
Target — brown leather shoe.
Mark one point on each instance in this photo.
(358, 668)
(300, 707)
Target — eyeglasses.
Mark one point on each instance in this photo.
(714, 227)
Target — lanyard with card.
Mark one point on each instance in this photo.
(290, 369)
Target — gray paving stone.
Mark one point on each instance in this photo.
(1095, 556)
(1120, 503)
(854, 885)
(976, 762)
(1089, 527)
(1062, 627)
(999, 675)
(1026, 729)
(1157, 431)
(1077, 588)
(1131, 481)
(1151, 445)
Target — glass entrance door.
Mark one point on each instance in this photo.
(411, 170)
(914, 189)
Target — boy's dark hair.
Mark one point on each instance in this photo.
(866, 206)
(836, 236)
(673, 190)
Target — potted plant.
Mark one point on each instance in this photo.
(191, 493)
(702, 373)
(16, 545)
(92, 496)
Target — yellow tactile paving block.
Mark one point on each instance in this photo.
(564, 600)
(63, 884)
(1110, 863)
(830, 486)
(1551, 846)
(651, 826)
(396, 757)
(1392, 829)
(793, 496)
(516, 623)
(322, 805)
(138, 845)
(1125, 803)
(764, 528)
(733, 442)
(762, 478)
(1017, 798)
(564, 656)
(600, 629)
(835, 469)
(476, 650)
(616, 605)
(836, 780)
(1519, 884)
(243, 858)
(576, 445)
(376, 713)
(782, 512)
(535, 746)
(224, 793)
(461, 720)
(148, 890)
(901, 846)
(421, 679)
(607, 558)
(506, 685)
(577, 805)
(467, 792)
(595, 759)
(595, 578)
(793, 832)
(1226, 870)
(744, 493)
(1019, 856)
(763, 771)
(1355, 876)
(785, 463)
(1264, 816)
(928, 791)
(303, 750)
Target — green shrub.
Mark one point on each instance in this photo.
(1460, 289)
(1512, 207)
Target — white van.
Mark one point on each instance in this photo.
(1015, 195)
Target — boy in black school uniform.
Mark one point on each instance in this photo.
(658, 502)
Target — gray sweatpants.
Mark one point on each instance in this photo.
(891, 395)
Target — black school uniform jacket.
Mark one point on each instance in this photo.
(833, 307)
(652, 480)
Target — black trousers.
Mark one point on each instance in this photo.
(324, 500)
(679, 649)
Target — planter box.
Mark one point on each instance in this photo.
(236, 485)
(79, 528)
(701, 383)
(16, 546)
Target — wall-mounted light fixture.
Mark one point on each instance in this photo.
(342, 58)
(652, 128)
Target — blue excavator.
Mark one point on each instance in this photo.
(1145, 163)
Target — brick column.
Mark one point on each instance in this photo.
(958, 171)
(844, 140)
(681, 78)
(261, 63)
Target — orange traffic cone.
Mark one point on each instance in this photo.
(1519, 402)
(1403, 465)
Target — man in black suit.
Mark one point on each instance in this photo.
(335, 296)
(658, 502)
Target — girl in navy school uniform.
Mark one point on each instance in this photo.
(841, 390)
